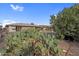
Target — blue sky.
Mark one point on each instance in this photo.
(38, 13)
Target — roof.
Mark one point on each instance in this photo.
(26, 24)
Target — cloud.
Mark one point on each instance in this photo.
(17, 7)
(7, 21)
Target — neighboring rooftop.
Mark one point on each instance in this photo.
(26, 24)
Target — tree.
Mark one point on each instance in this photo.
(32, 23)
(67, 22)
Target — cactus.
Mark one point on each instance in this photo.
(31, 42)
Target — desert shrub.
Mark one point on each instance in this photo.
(30, 43)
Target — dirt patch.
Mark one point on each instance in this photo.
(69, 48)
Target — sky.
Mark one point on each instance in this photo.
(37, 13)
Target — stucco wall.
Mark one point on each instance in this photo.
(12, 29)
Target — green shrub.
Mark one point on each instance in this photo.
(30, 43)
(66, 22)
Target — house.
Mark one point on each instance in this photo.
(24, 26)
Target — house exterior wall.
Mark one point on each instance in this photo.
(19, 28)
(11, 29)
(25, 28)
